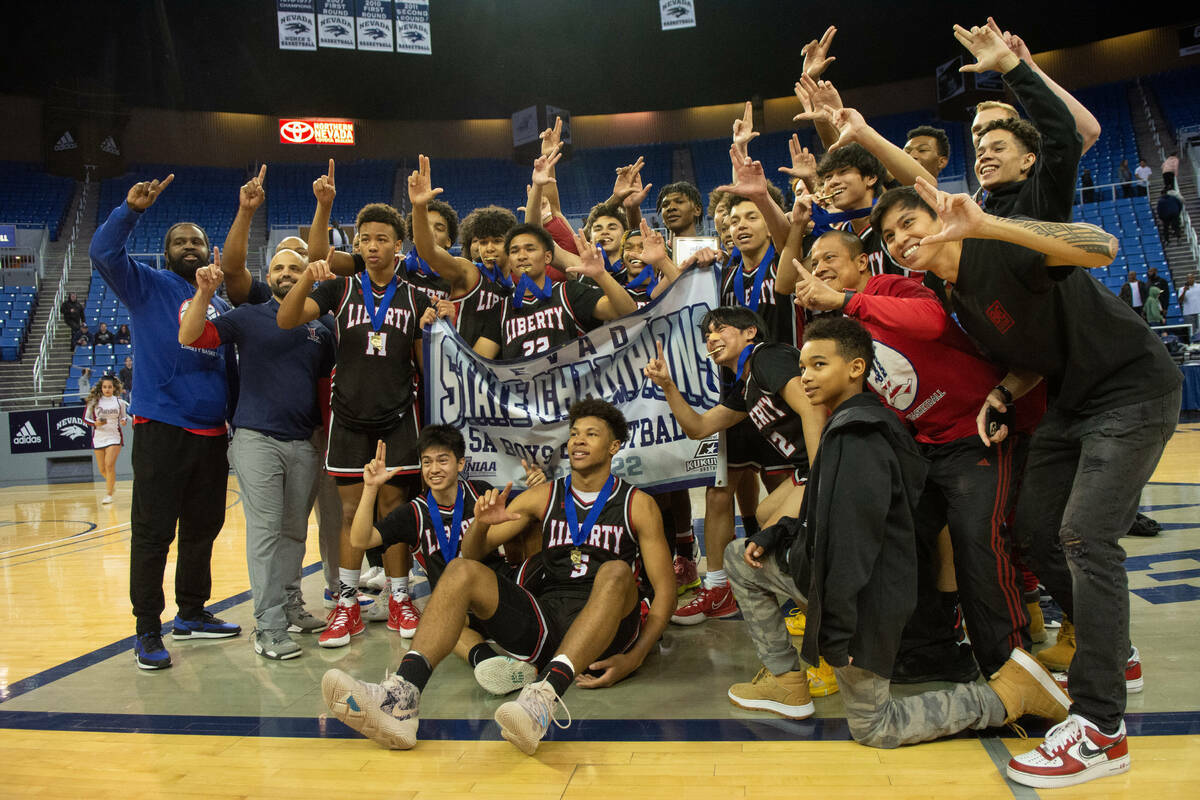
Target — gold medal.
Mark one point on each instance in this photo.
(576, 556)
(376, 340)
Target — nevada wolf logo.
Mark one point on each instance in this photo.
(296, 27)
(337, 30)
(375, 33)
(414, 36)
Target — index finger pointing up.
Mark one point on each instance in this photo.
(330, 173)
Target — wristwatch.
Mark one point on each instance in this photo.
(1002, 389)
(849, 293)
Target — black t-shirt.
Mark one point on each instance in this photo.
(1093, 350)
(760, 394)
(412, 524)
(374, 379)
(541, 325)
(777, 310)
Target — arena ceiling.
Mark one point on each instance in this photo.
(491, 57)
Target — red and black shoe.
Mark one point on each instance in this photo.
(1074, 751)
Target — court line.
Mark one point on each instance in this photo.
(1000, 756)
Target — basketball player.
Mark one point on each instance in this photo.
(596, 530)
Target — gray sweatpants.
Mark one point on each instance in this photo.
(277, 484)
(876, 719)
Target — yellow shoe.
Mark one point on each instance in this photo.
(1057, 657)
(821, 680)
(1037, 623)
(795, 622)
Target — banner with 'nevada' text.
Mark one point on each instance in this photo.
(513, 410)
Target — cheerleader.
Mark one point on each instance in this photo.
(106, 413)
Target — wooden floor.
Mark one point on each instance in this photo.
(77, 718)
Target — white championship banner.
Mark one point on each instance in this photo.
(510, 410)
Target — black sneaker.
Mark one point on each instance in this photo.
(149, 652)
(207, 627)
(954, 664)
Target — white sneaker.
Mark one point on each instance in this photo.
(107, 500)
(524, 721)
(504, 675)
(373, 580)
(376, 611)
(386, 712)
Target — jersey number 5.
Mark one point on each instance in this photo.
(581, 568)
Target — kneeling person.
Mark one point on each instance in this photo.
(586, 613)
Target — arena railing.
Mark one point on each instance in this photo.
(43, 358)
(1113, 190)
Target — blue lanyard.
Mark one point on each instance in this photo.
(823, 221)
(579, 536)
(495, 275)
(526, 284)
(414, 263)
(743, 358)
(611, 268)
(760, 273)
(377, 315)
(643, 277)
(449, 547)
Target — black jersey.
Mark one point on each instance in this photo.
(878, 255)
(613, 537)
(760, 394)
(412, 524)
(374, 378)
(777, 310)
(474, 312)
(541, 325)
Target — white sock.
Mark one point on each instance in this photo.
(715, 578)
(349, 580)
(399, 588)
(562, 658)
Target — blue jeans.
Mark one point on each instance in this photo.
(1083, 480)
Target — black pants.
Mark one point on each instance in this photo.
(971, 489)
(179, 480)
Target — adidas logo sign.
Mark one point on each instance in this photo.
(27, 435)
(110, 146)
(65, 142)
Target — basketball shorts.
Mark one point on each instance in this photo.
(350, 448)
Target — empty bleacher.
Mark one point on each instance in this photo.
(29, 196)
(17, 304)
(289, 190)
(1109, 103)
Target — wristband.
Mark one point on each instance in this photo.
(1002, 389)
(849, 293)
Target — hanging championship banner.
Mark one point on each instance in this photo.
(677, 14)
(335, 24)
(297, 24)
(375, 27)
(516, 410)
(412, 27)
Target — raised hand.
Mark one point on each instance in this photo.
(252, 193)
(209, 278)
(816, 54)
(705, 256)
(533, 474)
(420, 185)
(1013, 42)
(656, 369)
(375, 471)
(591, 263)
(638, 195)
(743, 129)
(804, 163)
(749, 179)
(802, 209)
(324, 189)
(623, 185)
(551, 137)
(818, 98)
(490, 508)
(850, 125)
(142, 195)
(654, 247)
(814, 293)
(319, 271)
(961, 216)
(988, 47)
(543, 167)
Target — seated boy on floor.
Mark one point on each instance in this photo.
(853, 550)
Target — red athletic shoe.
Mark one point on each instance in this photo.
(686, 576)
(716, 603)
(1133, 674)
(343, 622)
(403, 616)
(1074, 751)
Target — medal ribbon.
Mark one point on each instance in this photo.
(526, 284)
(760, 272)
(578, 535)
(743, 358)
(610, 268)
(642, 277)
(824, 221)
(414, 263)
(449, 547)
(495, 275)
(377, 315)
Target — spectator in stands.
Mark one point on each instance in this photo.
(1153, 309)
(83, 337)
(1169, 210)
(124, 336)
(104, 335)
(126, 374)
(1154, 279)
(1189, 304)
(1086, 183)
(85, 383)
(1169, 167)
(1143, 173)
(1125, 176)
(72, 311)
(1133, 292)
(337, 236)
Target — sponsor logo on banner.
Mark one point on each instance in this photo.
(376, 26)
(316, 131)
(65, 142)
(28, 432)
(68, 431)
(335, 24)
(8, 235)
(516, 410)
(109, 145)
(412, 27)
(677, 14)
(297, 24)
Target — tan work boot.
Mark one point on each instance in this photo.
(1037, 623)
(786, 695)
(1026, 687)
(1057, 657)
